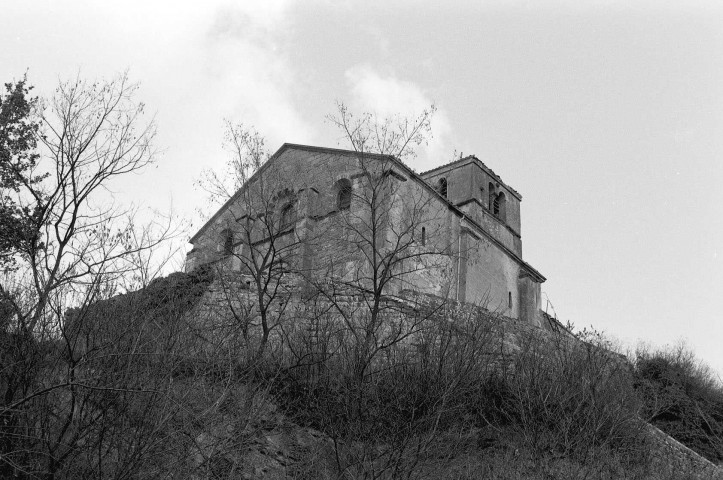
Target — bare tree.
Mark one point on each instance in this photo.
(78, 250)
(391, 231)
(91, 134)
(388, 233)
(261, 238)
(260, 232)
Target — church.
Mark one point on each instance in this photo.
(369, 221)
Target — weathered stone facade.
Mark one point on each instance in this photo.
(458, 226)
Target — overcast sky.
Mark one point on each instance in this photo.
(606, 116)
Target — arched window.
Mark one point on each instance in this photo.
(424, 236)
(499, 207)
(343, 194)
(227, 241)
(288, 216)
(491, 196)
(509, 299)
(442, 187)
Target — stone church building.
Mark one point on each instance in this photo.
(453, 231)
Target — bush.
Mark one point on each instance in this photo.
(573, 399)
(682, 397)
(386, 405)
(559, 400)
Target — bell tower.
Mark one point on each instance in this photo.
(482, 195)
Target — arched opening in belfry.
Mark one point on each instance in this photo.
(491, 195)
(499, 207)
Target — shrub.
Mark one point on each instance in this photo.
(560, 399)
(682, 397)
(385, 405)
(572, 399)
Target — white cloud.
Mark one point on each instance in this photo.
(196, 65)
(384, 95)
(245, 59)
(387, 95)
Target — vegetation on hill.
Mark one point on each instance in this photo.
(467, 395)
(560, 409)
(682, 397)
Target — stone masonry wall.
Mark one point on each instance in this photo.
(466, 266)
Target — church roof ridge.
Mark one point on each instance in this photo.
(315, 148)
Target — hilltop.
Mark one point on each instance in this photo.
(446, 390)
